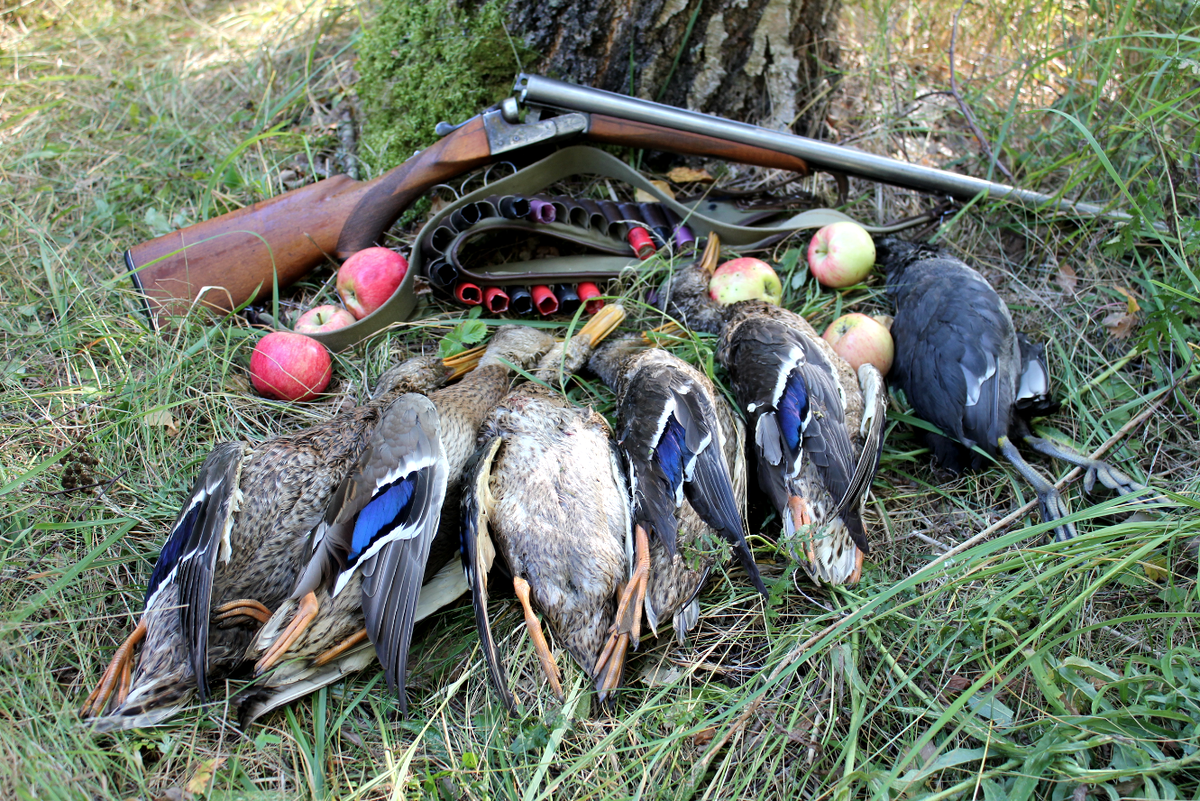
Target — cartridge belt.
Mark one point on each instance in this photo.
(736, 229)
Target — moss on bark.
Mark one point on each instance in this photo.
(425, 61)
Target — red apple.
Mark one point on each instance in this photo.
(841, 254)
(745, 279)
(859, 339)
(289, 366)
(369, 278)
(323, 318)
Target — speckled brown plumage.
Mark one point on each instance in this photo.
(560, 514)
(545, 495)
(285, 484)
(461, 409)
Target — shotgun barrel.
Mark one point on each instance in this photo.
(536, 90)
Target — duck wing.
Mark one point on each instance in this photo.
(874, 418)
(673, 447)
(199, 536)
(794, 402)
(381, 522)
(956, 351)
(479, 553)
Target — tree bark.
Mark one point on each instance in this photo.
(770, 62)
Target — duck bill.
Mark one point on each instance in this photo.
(712, 254)
(603, 323)
(463, 363)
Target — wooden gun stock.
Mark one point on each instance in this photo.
(234, 258)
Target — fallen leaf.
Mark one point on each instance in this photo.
(1119, 324)
(163, 418)
(1067, 278)
(204, 775)
(958, 684)
(642, 196)
(1157, 569)
(658, 675)
(704, 736)
(175, 794)
(685, 175)
(1130, 299)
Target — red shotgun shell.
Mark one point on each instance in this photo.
(544, 300)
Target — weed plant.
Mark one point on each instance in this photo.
(973, 661)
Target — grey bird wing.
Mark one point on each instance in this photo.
(198, 536)
(479, 553)
(382, 521)
(954, 351)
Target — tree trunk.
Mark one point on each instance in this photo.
(764, 61)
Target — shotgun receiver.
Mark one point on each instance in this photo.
(237, 257)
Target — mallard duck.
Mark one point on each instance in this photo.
(684, 453)
(964, 368)
(817, 425)
(233, 553)
(546, 495)
(317, 636)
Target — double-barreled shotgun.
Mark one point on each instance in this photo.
(231, 259)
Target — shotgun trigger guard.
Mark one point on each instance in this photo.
(504, 136)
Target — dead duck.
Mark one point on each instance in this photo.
(964, 368)
(545, 496)
(233, 553)
(325, 630)
(683, 448)
(817, 426)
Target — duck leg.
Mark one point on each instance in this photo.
(1054, 508)
(116, 676)
(305, 613)
(354, 640)
(549, 666)
(1108, 475)
(799, 519)
(627, 623)
(241, 613)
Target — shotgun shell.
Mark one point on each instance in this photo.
(684, 240)
(568, 298)
(541, 211)
(520, 301)
(653, 215)
(437, 242)
(468, 294)
(639, 239)
(442, 275)
(496, 299)
(513, 207)
(589, 296)
(544, 300)
(464, 218)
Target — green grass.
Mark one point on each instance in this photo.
(973, 661)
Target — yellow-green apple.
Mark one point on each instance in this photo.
(289, 366)
(368, 278)
(323, 318)
(841, 254)
(859, 339)
(745, 279)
